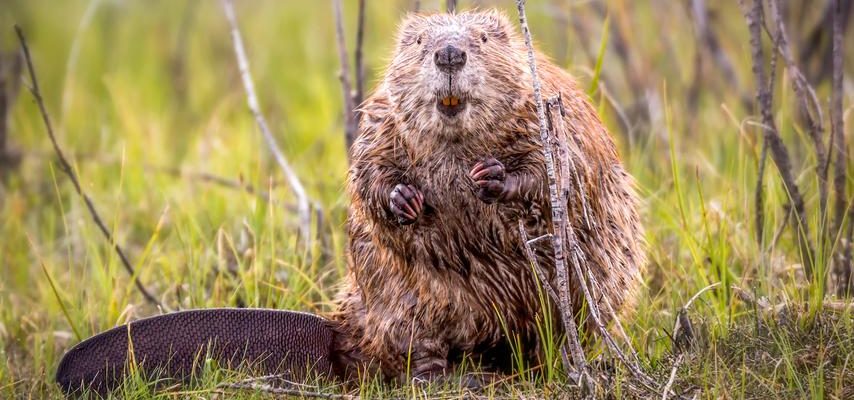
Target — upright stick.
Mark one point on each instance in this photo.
(65, 166)
(303, 202)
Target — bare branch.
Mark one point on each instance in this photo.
(708, 42)
(451, 5)
(558, 206)
(672, 378)
(574, 345)
(303, 202)
(295, 390)
(564, 238)
(840, 151)
(807, 103)
(10, 71)
(360, 65)
(65, 166)
(779, 152)
(350, 124)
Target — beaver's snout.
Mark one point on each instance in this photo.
(449, 59)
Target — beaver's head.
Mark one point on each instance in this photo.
(455, 74)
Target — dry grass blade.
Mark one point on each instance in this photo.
(66, 167)
(303, 201)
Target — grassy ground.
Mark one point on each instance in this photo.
(137, 89)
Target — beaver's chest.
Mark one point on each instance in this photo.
(456, 228)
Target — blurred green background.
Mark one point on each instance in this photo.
(146, 100)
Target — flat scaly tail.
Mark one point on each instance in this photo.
(175, 345)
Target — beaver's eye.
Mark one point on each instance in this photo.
(483, 37)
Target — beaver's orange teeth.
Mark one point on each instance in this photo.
(451, 101)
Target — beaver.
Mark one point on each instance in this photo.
(447, 163)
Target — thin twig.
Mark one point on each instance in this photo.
(303, 201)
(294, 389)
(779, 152)
(806, 97)
(840, 151)
(65, 166)
(577, 258)
(359, 62)
(350, 127)
(544, 280)
(280, 391)
(709, 43)
(564, 234)
(558, 206)
(672, 378)
(451, 6)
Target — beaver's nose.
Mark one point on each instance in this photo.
(450, 59)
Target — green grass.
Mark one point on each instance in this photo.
(153, 85)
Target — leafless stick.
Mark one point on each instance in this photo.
(303, 202)
(451, 5)
(544, 280)
(840, 150)
(672, 376)
(628, 128)
(577, 259)
(708, 40)
(806, 97)
(350, 127)
(538, 238)
(532, 258)
(357, 59)
(417, 6)
(280, 391)
(614, 316)
(558, 206)
(563, 232)
(779, 152)
(561, 21)
(65, 166)
(10, 71)
(763, 161)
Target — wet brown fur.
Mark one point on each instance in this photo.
(417, 296)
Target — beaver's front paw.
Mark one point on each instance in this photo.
(489, 179)
(406, 203)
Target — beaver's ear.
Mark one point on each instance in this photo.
(496, 24)
(409, 28)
